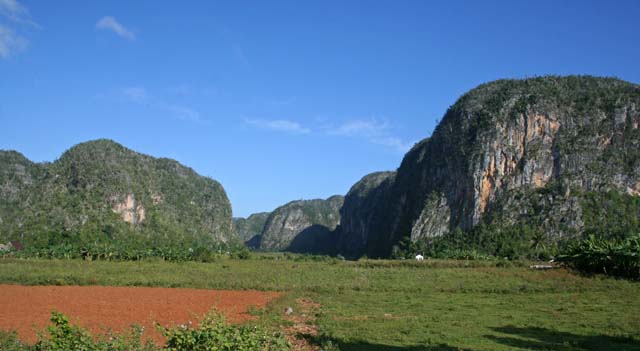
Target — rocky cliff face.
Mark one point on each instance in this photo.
(303, 226)
(100, 190)
(359, 213)
(509, 150)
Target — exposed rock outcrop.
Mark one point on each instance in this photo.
(130, 211)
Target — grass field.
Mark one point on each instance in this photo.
(397, 305)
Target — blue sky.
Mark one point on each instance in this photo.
(281, 100)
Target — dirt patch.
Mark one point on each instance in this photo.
(303, 325)
(26, 309)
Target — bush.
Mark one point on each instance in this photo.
(242, 254)
(63, 336)
(202, 254)
(617, 257)
(9, 342)
(214, 333)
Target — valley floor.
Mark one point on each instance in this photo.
(393, 305)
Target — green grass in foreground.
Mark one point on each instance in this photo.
(393, 305)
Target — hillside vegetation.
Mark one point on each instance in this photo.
(102, 192)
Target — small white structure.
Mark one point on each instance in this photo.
(419, 257)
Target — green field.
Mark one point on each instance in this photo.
(396, 305)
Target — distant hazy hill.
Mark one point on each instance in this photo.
(303, 226)
(249, 229)
(531, 161)
(100, 190)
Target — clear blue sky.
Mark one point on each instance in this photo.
(281, 100)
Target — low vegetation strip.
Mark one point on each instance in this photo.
(213, 332)
(614, 257)
(27, 309)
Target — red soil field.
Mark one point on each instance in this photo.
(27, 309)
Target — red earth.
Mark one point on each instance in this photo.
(27, 309)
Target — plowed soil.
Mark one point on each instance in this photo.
(27, 309)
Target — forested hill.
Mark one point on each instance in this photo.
(101, 191)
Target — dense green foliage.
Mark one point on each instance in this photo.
(610, 214)
(482, 242)
(383, 305)
(213, 333)
(584, 93)
(617, 257)
(101, 192)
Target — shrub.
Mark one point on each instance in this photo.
(9, 342)
(214, 333)
(242, 254)
(617, 257)
(63, 336)
(202, 254)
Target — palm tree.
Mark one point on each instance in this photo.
(538, 241)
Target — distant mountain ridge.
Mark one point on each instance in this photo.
(100, 191)
(514, 165)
